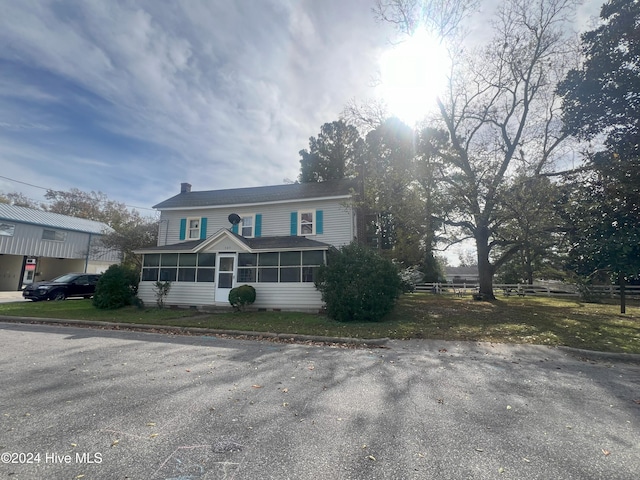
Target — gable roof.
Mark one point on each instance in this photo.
(14, 213)
(260, 195)
(260, 244)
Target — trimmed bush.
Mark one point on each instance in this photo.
(242, 296)
(116, 288)
(357, 284)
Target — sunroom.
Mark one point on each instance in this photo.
(203, 272)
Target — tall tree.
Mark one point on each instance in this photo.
(19, 200)
(443, 17)
(90, 205)
(133, 234)
(131, 231)
(528, 219)
(388, 171)
(501, 113)
(332, 155)
(366, 115)
(602, 98)
(430, 144)
(603, 211)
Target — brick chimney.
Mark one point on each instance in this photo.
(185, 187)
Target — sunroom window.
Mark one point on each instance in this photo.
(181, 267)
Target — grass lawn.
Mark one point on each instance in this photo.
(535, 320)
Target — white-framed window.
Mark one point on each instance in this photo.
(247, 225)
(193, 228)
(307, 222)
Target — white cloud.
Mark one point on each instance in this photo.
(146, 95)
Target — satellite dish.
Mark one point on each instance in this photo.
(234, 219)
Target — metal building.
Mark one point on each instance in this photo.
(37, 245)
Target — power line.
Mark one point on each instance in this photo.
(24, 183)
(44, 188)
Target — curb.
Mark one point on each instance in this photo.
(379, 342)
(600, 356)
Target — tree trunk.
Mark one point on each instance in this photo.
(529, 268)
(485, 269)
(623, 297)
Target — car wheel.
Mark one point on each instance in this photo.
(59, 295)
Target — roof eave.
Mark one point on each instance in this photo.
(254, 204)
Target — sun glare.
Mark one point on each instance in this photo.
(413, 73)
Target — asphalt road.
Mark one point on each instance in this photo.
(82, 403)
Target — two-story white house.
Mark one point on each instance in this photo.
(273, 238)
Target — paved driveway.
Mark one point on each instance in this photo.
(123, 405)
(8, 297)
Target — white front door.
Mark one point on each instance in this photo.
(225, 276)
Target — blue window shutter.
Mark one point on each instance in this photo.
(294, 224)
(258, 228)
(319, 222)
(183, 228)
(203, 228)
(234, 228)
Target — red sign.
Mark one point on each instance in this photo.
(29, 267)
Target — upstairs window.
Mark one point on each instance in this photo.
(307, 225)
(246, 226)
(306, 222)
(193, 228)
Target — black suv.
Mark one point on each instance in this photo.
(69, 285)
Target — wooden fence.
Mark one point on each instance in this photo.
(522, 289)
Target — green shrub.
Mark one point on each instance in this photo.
(161, 289)
(357, 284)
(242, 296)
(116, 288)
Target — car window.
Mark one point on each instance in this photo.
(64, 278)
(82, 280)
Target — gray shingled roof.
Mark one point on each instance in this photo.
(14, 213)
(276, 243)
(260, 243)
(252, 195)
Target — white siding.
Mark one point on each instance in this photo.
(224, 245)
(338, 221)
(286, 296)
(181, 293)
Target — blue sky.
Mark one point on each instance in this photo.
(132, 98)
